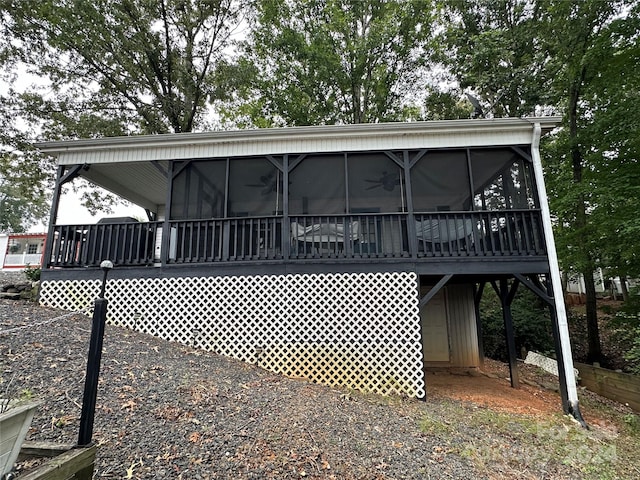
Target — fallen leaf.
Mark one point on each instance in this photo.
(130, 405)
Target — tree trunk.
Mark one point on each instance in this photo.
(594, 353)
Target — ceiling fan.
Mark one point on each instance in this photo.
(269, 183)
(387, 181)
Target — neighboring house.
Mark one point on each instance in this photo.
(352, 255)
(21, 250)
(603, 284)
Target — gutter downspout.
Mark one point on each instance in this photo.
(561, 312)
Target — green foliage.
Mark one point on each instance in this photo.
(633, 423)
(25, 395)
(434, 426)
(531, 322)
(101, 69)
(337, 61)
(25, 176)
(32, 273)
(633, 354)
(607, 178)
(116, 67)
(626, 327)
(578, 59)
(441, 105)
(493, 49)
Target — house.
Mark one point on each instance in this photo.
(21, 250)
(351, 255)
(604, 284)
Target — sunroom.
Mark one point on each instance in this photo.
(314, 251)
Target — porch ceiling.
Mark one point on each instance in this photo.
(144, 184)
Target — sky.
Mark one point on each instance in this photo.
(71, 212)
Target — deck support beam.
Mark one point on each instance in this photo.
(506, 296)
(432, 293)
(562, 377)
(478, 290)
(547, 296)
(64, 175)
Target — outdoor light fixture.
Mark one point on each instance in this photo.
(105, 265)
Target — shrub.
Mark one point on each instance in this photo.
(531, 324)
(32, 274)
(626, 325)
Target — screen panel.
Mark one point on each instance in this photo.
(376, 184)
(317, 186)
(199, 190)
(440, 182)
(255, 188)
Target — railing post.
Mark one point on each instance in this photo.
(412, 241)
(165, 246)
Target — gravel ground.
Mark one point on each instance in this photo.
(169, 411)
(12, 277)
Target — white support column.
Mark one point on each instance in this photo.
(561, 312)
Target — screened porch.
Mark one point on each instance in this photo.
(347, 206)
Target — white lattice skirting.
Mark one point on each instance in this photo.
(361, 331)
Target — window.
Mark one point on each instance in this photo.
(32, 249)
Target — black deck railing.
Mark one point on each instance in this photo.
(206, 241)
(349, 236)
(514, 233)
(88, 245)
(504, 233)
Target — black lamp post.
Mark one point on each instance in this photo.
(93, 362)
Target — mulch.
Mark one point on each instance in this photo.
(165, 410)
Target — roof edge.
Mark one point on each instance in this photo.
(321, 131)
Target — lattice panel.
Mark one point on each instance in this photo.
(73, 295)
(356, 330)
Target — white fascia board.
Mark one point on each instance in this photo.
(360, 137)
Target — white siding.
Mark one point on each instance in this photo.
(462, 327)
(455, 133)
(281, 146)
